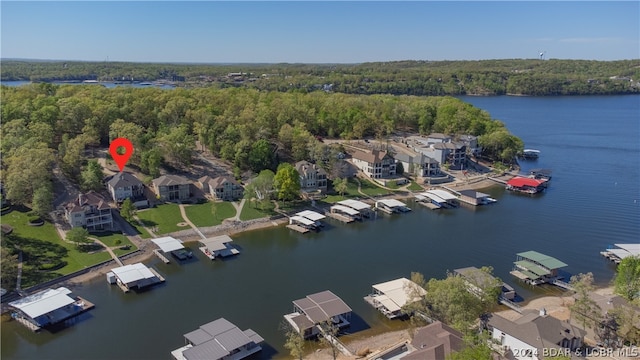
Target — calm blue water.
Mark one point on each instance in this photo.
(590, 143)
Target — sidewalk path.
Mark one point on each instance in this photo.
(186, 219)
(238, 209)
(113, 255)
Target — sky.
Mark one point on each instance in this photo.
(318, 32)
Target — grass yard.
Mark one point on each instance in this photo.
(143, 233)
(45, 255)
(162, 219)
(112, 239)
(371, 189)
(202, 215)
(414, 186)
(249, 212)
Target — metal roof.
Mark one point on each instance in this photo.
(322, 306)
(542, 259)
(358, 205)
(433, 197)
(132, 273)
(311, 215)
(346, 209)
(442, 194)
(534, 268)
(633, 249)
(216, 243)
(473, 194)
(43, 302)
(399, 291)
(168, 243)
(391, 202)
(302, 220)
(217, 339)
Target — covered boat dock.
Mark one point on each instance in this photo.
(621, 251)
(536, 268)
(391, 206)
(526, 185)
(134, 276)
(389, 297)
(315, 309)
(218, 246)
(362, 207)
(450, 199)
(345, 213)
(475, 198)
(170, 245)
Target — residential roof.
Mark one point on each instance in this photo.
(473, 194)
(416, 159)
(124, 179)
(443, 194)
(399, 291)
(322, 306)
(303, 166)
(90, 198)
(43, 302)
(168, 243)
(132, 273)
(216, 243)
(392, 202)
(217, 339)
(220, 180)
(542, 259)
(358, 205)
(375, 156)
(346, 209)
(435, 342)
(519, 181)
(311, 215)
(438, 136)
(169, 180)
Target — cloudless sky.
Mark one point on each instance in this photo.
(318, 32)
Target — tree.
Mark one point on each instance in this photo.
(400, 168)
(627, 319)
(585, 309)
(260, 156)
(330, 331)
(9, 268)
(78, 236)
(150, 162)
(294, 343)
(476, 348)
(28, 169)
(42, 202)
(128, 210)
(92, 176)
(287, 182)
(261, 187)
(450, 302)
(340, 185)
(607, 331)
(179, 144)
(627, 280)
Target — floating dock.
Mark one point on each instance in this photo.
(298, 228)
(160, 256)
(621, 251)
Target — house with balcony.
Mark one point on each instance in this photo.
(312, 177)
(376, 164)
(90, 211)
(124, 185)
(222, 188)
(419, 165)
(172, 188)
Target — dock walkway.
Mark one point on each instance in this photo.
(562, 284)
(298, 228)
(510, 304)
(160, 256)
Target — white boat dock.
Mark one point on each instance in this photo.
(218, 246)
(391, 206)
(134, 276)
(621, 251)
(426, 201)
(362, 207)
(449, 198)
(344, 213)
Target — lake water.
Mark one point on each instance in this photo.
(591, 144)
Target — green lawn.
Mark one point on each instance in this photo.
(249, 212)
(45, 255)
(392, 184)
(371, 189)
(162, 219)
(201, 215)
(143, 233)
(110, 239)
(414, 187)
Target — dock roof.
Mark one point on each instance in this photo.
(322, 306)
(216, 243)
(302, 220)
(397, 293)
(542, 259)
(523, 181)
(43, 302)
(346, 209)
(433, 197)
(217, 339)
(311, 215)
(443, 194)
(392, 203)
(132, 273)
(358, 205)
(473, 194)
(168, 243)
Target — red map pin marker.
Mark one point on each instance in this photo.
(121, 159)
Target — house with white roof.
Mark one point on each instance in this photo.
(217, 340)
(390, 297)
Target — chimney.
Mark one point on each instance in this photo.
(543, 312)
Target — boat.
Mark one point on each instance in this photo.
(530, 154)
(489, 200)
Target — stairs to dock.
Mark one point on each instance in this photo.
(562, 284)
(510, 304)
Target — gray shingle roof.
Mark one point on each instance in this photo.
(124, 179)
(322, 306)
(169, 180)
(217, 339)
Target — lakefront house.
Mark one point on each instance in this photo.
(172, 188)
(376, 164)
(91, 211)
(222, 188)
(312, 177)
(124, 185)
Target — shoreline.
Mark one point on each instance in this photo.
(189, 236)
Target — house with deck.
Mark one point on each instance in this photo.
(48, 307)
(419, 165)
(390, 297)
(124, 185)
(172, 188)
(218, 340)
(222, 188)
(376, 164)
(91, 211)
(536, 268)
(312, 177)
(315, 310)
(535, 335)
